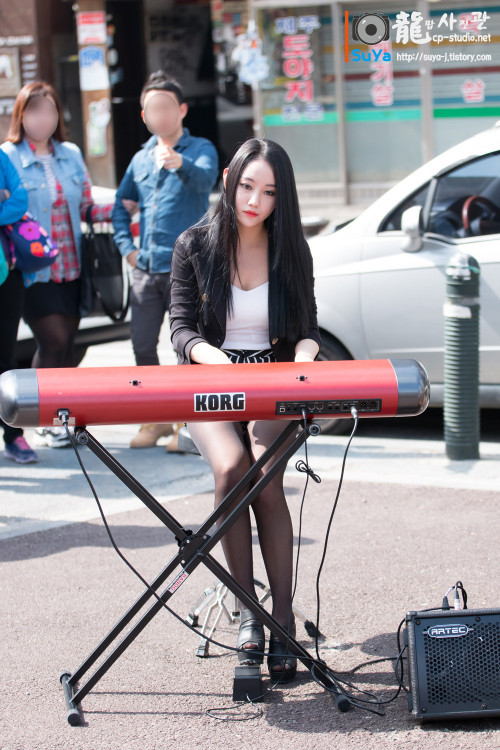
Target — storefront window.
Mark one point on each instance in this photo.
(298, 96)
(390, 86)
(367, 113)
(383, 103)
(234, 97)
(465, 81)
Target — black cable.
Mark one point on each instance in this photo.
(309, 473)
(237, 707)
(132, 568)
(399, 659)
(337, 681)
(372, 701)
(325, 545)
(64, 418)
(368, 663)
(398, 639)
(337, 688)
(460, 587)
(129, 564)
(305, 468)
(302, 466)
(335, 677)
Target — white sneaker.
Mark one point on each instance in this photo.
(53, 437)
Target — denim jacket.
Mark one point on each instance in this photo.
(169, 202)
(70, 171)
(14, 207)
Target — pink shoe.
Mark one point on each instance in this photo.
(20, 452)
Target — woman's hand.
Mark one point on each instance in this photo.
(206, 354)
(306, 350)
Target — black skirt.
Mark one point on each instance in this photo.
(52, 298)
(247, 356)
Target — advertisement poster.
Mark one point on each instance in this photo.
(10, 77)
(93, 69)
(91, 28)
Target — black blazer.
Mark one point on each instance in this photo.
(188, 296)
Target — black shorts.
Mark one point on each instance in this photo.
(248, 356)
(52, 298)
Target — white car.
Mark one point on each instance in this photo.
(380, 279)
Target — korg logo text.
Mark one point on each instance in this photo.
(219, 401)
(456, 630)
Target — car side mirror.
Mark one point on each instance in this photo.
(411, 225)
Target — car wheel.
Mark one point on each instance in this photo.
(332, 351)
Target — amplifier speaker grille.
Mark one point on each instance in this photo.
(454, 663)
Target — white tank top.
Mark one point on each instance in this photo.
(248, 325)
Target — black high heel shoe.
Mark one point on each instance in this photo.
(251, 634)
(279, 656)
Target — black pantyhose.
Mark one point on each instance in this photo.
(230, 453)
(55, 336)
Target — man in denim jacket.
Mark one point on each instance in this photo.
(171, 178)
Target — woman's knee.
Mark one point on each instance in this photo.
(52, 340)
(228, 474)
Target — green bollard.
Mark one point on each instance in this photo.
(461, 358)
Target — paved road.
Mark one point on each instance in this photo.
(409, 524)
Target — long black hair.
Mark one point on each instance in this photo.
(290, 262)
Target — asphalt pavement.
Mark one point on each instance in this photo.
(409, 524)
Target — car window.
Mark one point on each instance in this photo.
(480, 177)
(393, 221)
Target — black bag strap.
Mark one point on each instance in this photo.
(116, 318)
(88, 219)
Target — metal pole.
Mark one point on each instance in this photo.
(461, 358)
(258, 114)
(338, 46)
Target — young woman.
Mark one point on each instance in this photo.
(59, 193)
(13, 205)
(243, 291)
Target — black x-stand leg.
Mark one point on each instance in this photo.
(194, 548)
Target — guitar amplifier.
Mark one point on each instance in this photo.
(454, 663)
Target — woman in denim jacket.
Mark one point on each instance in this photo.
(59, 192)
(13, 204)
